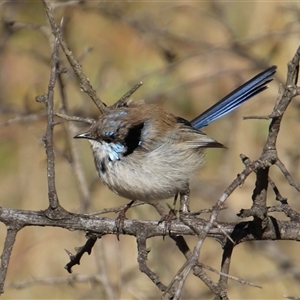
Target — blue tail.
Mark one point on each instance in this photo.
(233, 100)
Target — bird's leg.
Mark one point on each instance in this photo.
(184, 208)
(185, 201)
(175, 201)
(121, 217)
(170, 216)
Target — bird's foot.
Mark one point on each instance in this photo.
(121, 218)
(167, 219)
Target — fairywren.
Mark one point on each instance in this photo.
(144, 153)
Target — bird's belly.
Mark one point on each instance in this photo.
(144, 183)
(148, 177)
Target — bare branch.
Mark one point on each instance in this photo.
(26, 118)
(75, 118)
(84, 81)
(48, 138)
(6, 253)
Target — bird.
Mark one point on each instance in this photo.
(144, 153)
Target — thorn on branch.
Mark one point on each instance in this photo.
(62, 70)
(42, 98)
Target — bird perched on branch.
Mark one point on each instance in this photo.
(144, 153)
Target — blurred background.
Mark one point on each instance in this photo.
(188, 55)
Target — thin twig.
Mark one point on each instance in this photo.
(287, 175)
(76, 278)
(21, 119)
(48, 139)
(124, 98)
(5, 256)
(115, 209)
(240, 280)
(75, 118)
(84, 81)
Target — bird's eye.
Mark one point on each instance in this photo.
(110, 134)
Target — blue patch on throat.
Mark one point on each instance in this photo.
(114, 150)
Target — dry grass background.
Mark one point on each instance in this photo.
(189, 55)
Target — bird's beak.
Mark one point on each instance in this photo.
(84, 135)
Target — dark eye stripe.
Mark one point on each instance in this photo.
(133, 138)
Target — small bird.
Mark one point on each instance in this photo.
(144, 153)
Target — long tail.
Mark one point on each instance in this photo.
(233, 100)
